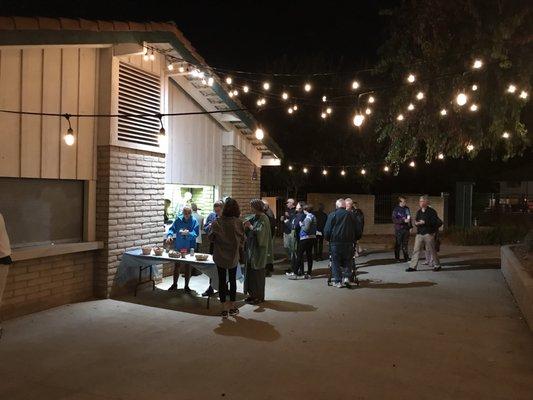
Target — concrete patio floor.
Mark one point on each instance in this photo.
(454, 334)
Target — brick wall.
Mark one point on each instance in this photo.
(38, 284)
(237, 182)
(129, 209)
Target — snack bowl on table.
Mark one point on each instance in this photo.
(201, 257)
(174, 254)
(158, 251)
(147, 250)
(183, 253)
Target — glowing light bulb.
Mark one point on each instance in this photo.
(235, 92)
(477, 64)
(266, 86)
(461, 99)
(511, 88)
(411, 78)
(443, 112)
(412, 164)
(290, 110)
(358, 119)
(368, 111)
(307, 87)
(371, 100)
(245, 89)
(474, 88)
(263, 101)
(323, 115)
(363, 171)
(400, 117)
(324, 99)
(210, 81)
(473, 107)
(324, 172)
(386, 168)
(69, 137)
(259, 134)
(329, 110)
(305, 170)
(411, 107)
(469, 147)
(343, 172)
(290, 167)
(284, 95)
(523, 94)
(506, 135)
(181, 69)
(355, 85)
(440, 156)
(420, 95)
(230, 94)
(152, 56)
(170, 67)
(229, 80)
(295, 107)
(204, 81)
(259, 103)
(146, 57)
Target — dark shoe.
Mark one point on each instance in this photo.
(249, 300)
(410, 269)
(224, 314)
(173, 287)
(437, 268)
(187, 289)
(268, 274)
(308, 276)
(208, 292)
(233, 312)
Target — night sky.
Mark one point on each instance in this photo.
(299, 38)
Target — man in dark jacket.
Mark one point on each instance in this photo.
(288, 235)
(321, 218)
(401, 217)
(340, 232)
(269, 268)
(427, 223)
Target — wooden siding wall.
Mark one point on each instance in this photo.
(55, 80)
(194, 145)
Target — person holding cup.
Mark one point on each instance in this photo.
(401, 217)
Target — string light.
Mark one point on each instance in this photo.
(343, 172)
(523, 94)
(290, 110)
(285, 96)
(474, 88)
(259, 102)
(324, 172)
(412, 164)
(443, 112)
(259, 134)
(235, 92)
(400, 117)
(69, 137)
(323, 115)
(263, 101)
(386, 168)
(358, 120)
(230, 94)
(411, 78)
(461, 99)
(152, 56)
(506, 135)
(371, 100)
(211, 81)
(469, 147)
(290, 168)
(477, 64)
(420, 95)
(181, 69)
(511, 88)
(363, 171)
(411, 107)
(266, 85)
(440, 156)
(305, 170)
(355, 85)
(473, 107)
(368, 111)
(295, 107)
(329, 110)
(307, 87)
(229, 80)
(204, 81)
(245, 89)
(146, 57)
(162, 136)
(170, 67)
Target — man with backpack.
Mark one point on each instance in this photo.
(427, 223)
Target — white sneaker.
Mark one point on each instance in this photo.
(338, 285)
(289, 273)
(346, 282)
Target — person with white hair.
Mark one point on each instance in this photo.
(427, 223)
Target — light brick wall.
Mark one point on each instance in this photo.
(38, 284)
(129, 210)
(237, 182)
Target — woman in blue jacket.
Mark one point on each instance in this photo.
(183, 232)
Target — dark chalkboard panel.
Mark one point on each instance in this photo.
(42, 211)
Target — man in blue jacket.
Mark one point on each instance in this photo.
(183, 232)
(340, 231)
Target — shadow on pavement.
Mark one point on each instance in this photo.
(248, 329)
(284, 306)
(365, 283)
(466, 265)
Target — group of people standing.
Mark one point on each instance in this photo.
(232, 242)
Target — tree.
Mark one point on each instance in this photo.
(438, 41)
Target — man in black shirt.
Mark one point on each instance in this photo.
(427, 223)
(321, 218)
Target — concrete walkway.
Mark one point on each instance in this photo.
(454, 334)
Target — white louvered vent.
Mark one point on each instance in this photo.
(138, 92)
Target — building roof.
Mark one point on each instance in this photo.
(53, 31)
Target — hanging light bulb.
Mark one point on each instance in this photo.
(511, 88)
(266, 85)
(170, 67)
(290, 110)
(506, 135)
(245, 89)
(305, 170)
(386, 168)
(69, 136)
(358, 120)
(411, 107)
(461, 99)
(229, 80)
(259, 134)
(263, 101)
(477, 64)
(469, 147)
(329, 110)
(235, 92)
(324, 172)
(420, 95)
(285, 95)
(289, 167)
(343, 172)
(371, 100)
(307, 87)
(368, 111)
(411, 78)
(440, 156)
(181, 69)
(324, 99)
(230, 94)
(412, 164)
(523, 94)
(355, 85)
(295, 107)
(400, 117)
(204, 81)
(152, 56)
(210, 81)
(473, 107)
(323, 115)
(443, 112)
(474, 88)
(363, 171)
(259, 103)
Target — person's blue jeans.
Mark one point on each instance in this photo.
(341, 260)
